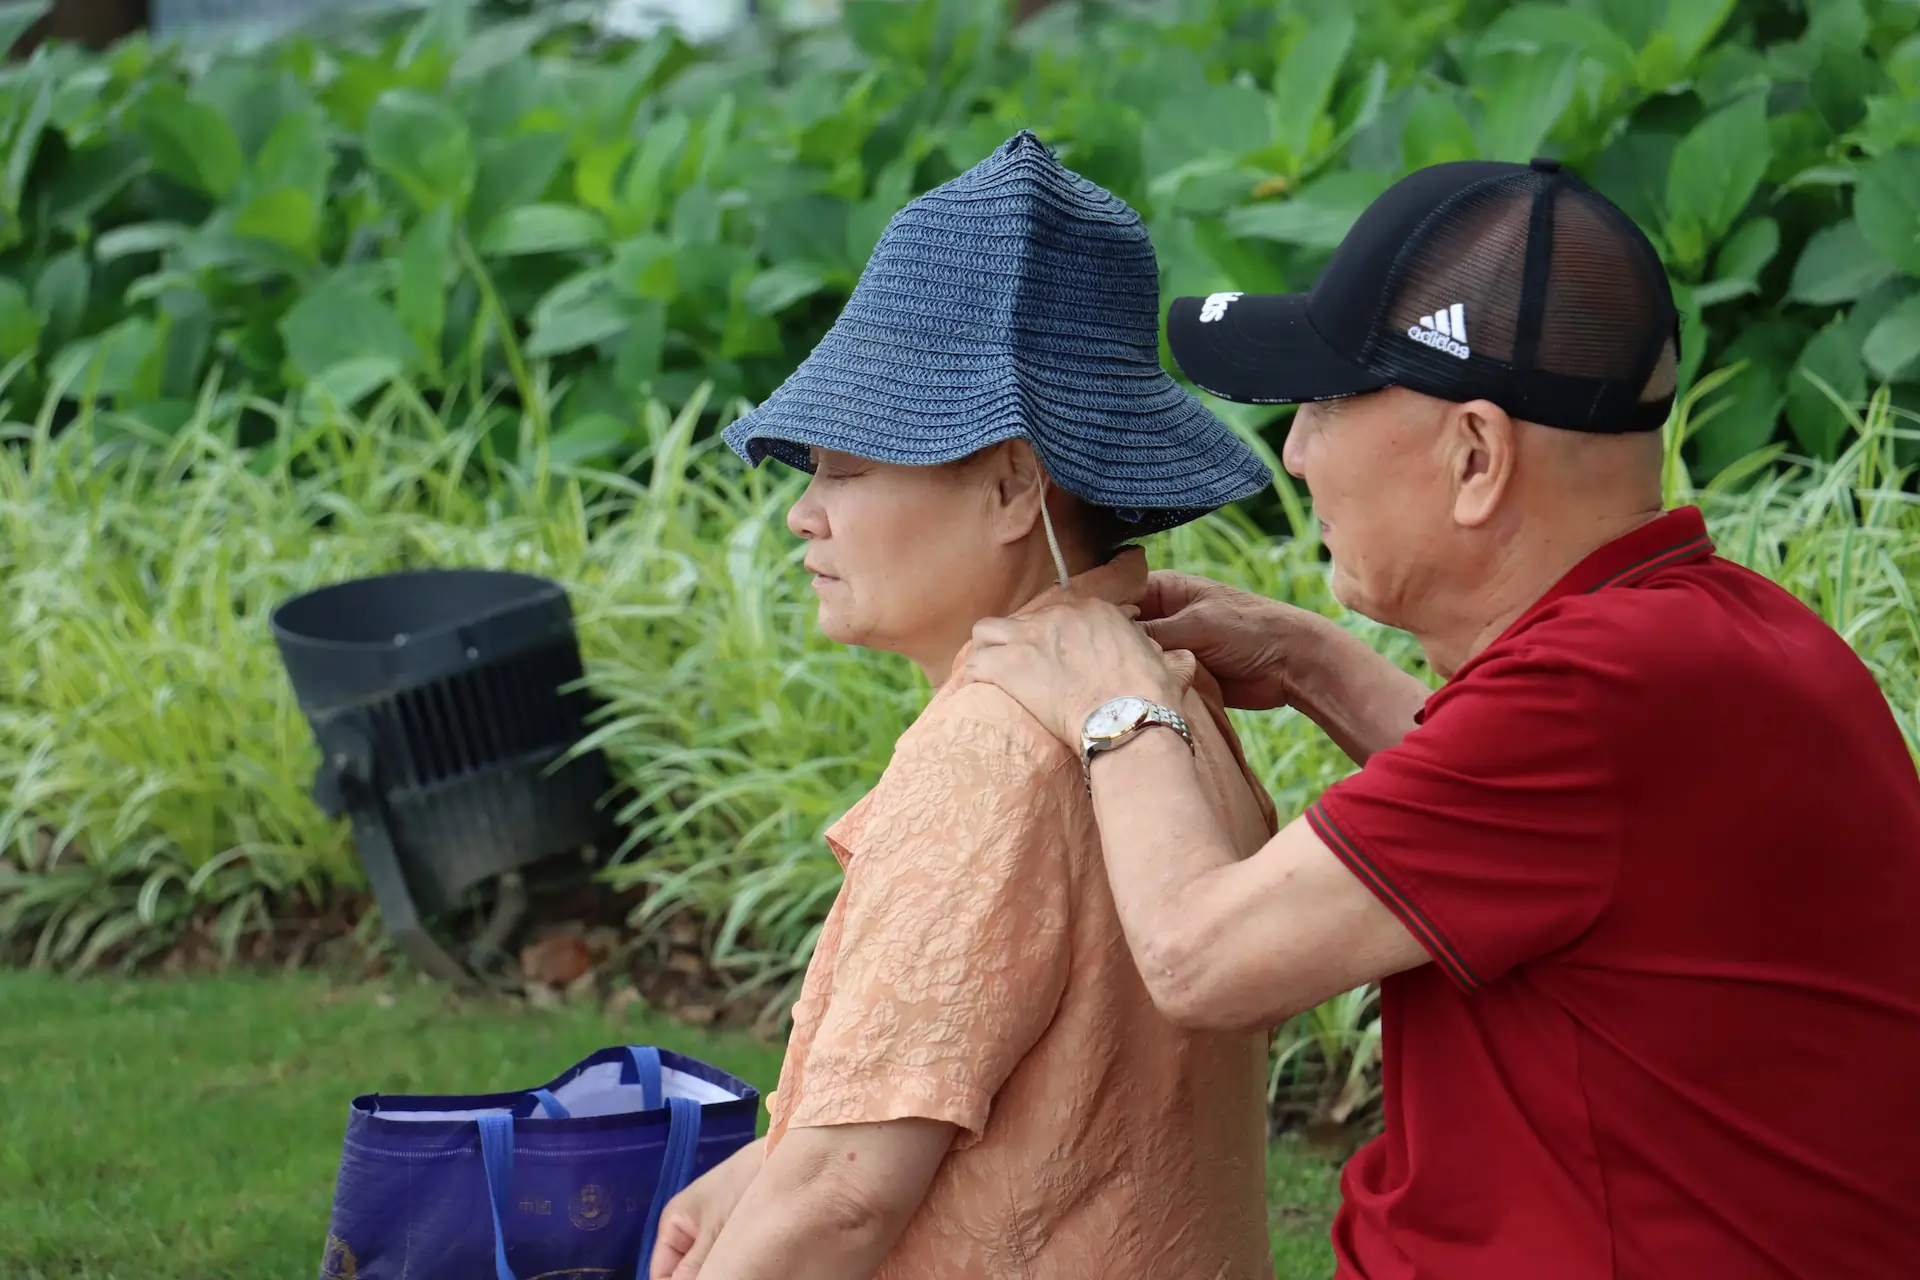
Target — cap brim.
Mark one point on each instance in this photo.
(1261, 349)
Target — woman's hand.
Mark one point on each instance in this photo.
(691, 1222)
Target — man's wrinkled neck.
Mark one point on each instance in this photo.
(1473, 614)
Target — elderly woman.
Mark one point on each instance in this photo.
(978, 1083)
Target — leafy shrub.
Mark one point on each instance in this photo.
(519, 208)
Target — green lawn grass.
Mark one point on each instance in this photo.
(159, 1130)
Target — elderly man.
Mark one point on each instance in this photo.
(1639, 882)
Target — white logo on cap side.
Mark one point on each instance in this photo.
(1444, 330)
(1215, 307)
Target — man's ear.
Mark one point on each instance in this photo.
(1014, 479)
(1482, 449)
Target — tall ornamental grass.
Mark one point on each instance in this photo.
(154, 767)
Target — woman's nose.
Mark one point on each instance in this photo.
(806, 518)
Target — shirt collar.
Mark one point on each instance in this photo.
(1671, 538)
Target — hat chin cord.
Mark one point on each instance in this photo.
(1053, 541)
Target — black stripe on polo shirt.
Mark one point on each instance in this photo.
(1410, 915)
(1697, 545)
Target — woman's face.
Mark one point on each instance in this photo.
(904, 559)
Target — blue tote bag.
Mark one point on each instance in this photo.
(561, 1182)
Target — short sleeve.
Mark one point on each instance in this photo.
(954, 944)
(1493, 830)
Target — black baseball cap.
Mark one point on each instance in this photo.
(1474, 279)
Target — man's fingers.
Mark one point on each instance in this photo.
(981, 664)
(1179, 632)
(996, 631)
(1169, 591)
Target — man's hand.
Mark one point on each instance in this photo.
(1063, 661)
(1266, 654)
(1237, 636)
(692, 1220)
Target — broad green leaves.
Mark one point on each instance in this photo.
(1838, 265)
(1319, 217)
(345, 321)
(1435, 132)
(1886, 204)
(1893, 345)
(20, 323)
(1303, 87)
(1523, 100)
(542, 228)
(1828, 366)
(1714, 173)
(480, 208)
(190, 142)
(423, 145)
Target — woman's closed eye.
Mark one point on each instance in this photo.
(836, 467)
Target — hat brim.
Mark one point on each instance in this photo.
(1126, 437)
(1262, 349)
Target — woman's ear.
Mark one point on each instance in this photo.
(1014, 482)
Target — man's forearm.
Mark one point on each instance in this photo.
(1225, 942)
(1163, 847)
(1359, 699)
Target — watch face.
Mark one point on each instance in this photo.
(1116, 717)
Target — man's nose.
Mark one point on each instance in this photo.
(1293, 450)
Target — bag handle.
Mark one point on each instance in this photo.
(496, 1152)
(646, 1062)
(676, 1171)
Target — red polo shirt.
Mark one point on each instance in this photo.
(1662, 841)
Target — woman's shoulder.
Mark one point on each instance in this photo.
(983, 723)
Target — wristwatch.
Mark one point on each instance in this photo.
(1114, 723)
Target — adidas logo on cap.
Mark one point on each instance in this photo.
(1443, 331)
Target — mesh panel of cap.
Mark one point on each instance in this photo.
(1477, 257)
(1547, 300)
(1597, 283)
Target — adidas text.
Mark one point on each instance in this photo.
(1428, 337)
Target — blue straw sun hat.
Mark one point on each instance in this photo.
(1017, 300)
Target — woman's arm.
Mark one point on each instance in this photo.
(830, 1202)
(948, 958)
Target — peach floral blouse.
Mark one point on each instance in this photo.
(972, 970)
